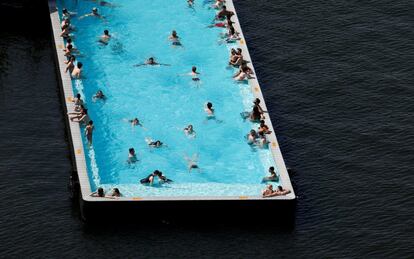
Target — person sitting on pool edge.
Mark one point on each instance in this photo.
(273, 176)
(150, 178)
(151, 62)
(132, 157)
(269, 192)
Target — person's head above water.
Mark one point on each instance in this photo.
(90, 122)
(132, 151)
(94, 10)
(65, 11)
(106, 32)
(69, 40)
(194, 69)
(79, 65)
(209, 105)
(174, 33)
(157, 173)
(78, 96)
(101, 192)
(252, 132)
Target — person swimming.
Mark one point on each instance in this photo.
(104, 39)
(189, 131)
(132, 157)
(99, 95)
(151, 177)
(93, 13)
(192, 162)
(209, 110)
(273, 176)
(154, 144)
(175, 40)
(252, 137)
(151, 62)
(135, 122)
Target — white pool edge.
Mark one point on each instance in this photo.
(76, 137)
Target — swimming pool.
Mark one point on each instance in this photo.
(166, 102)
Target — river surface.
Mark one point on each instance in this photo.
(338, 79)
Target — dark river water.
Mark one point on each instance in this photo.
(338, 79)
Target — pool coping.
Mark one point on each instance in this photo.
(75, 136)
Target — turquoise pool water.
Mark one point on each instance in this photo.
(164, 102)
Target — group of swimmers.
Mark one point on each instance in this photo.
(222, 19)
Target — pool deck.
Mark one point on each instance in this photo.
(75, 137)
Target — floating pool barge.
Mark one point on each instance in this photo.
(212, 205)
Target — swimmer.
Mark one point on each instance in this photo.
(105, 38)
(76, 73)
(273, 176)
(116, 193)
(209, 110)
(150, 178)
(175, 40)
(154, 144)
(252, 137)
(264, 128)
(189, 131)
(262, 142)
(88, 132)
(99, 95)
(192, 162)
(70, 64)
(66, 14)
(269, 192)
(132, 157)
(151, 62)
(99, 193)
(93, 13)
(135, 122)
(190, 3)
